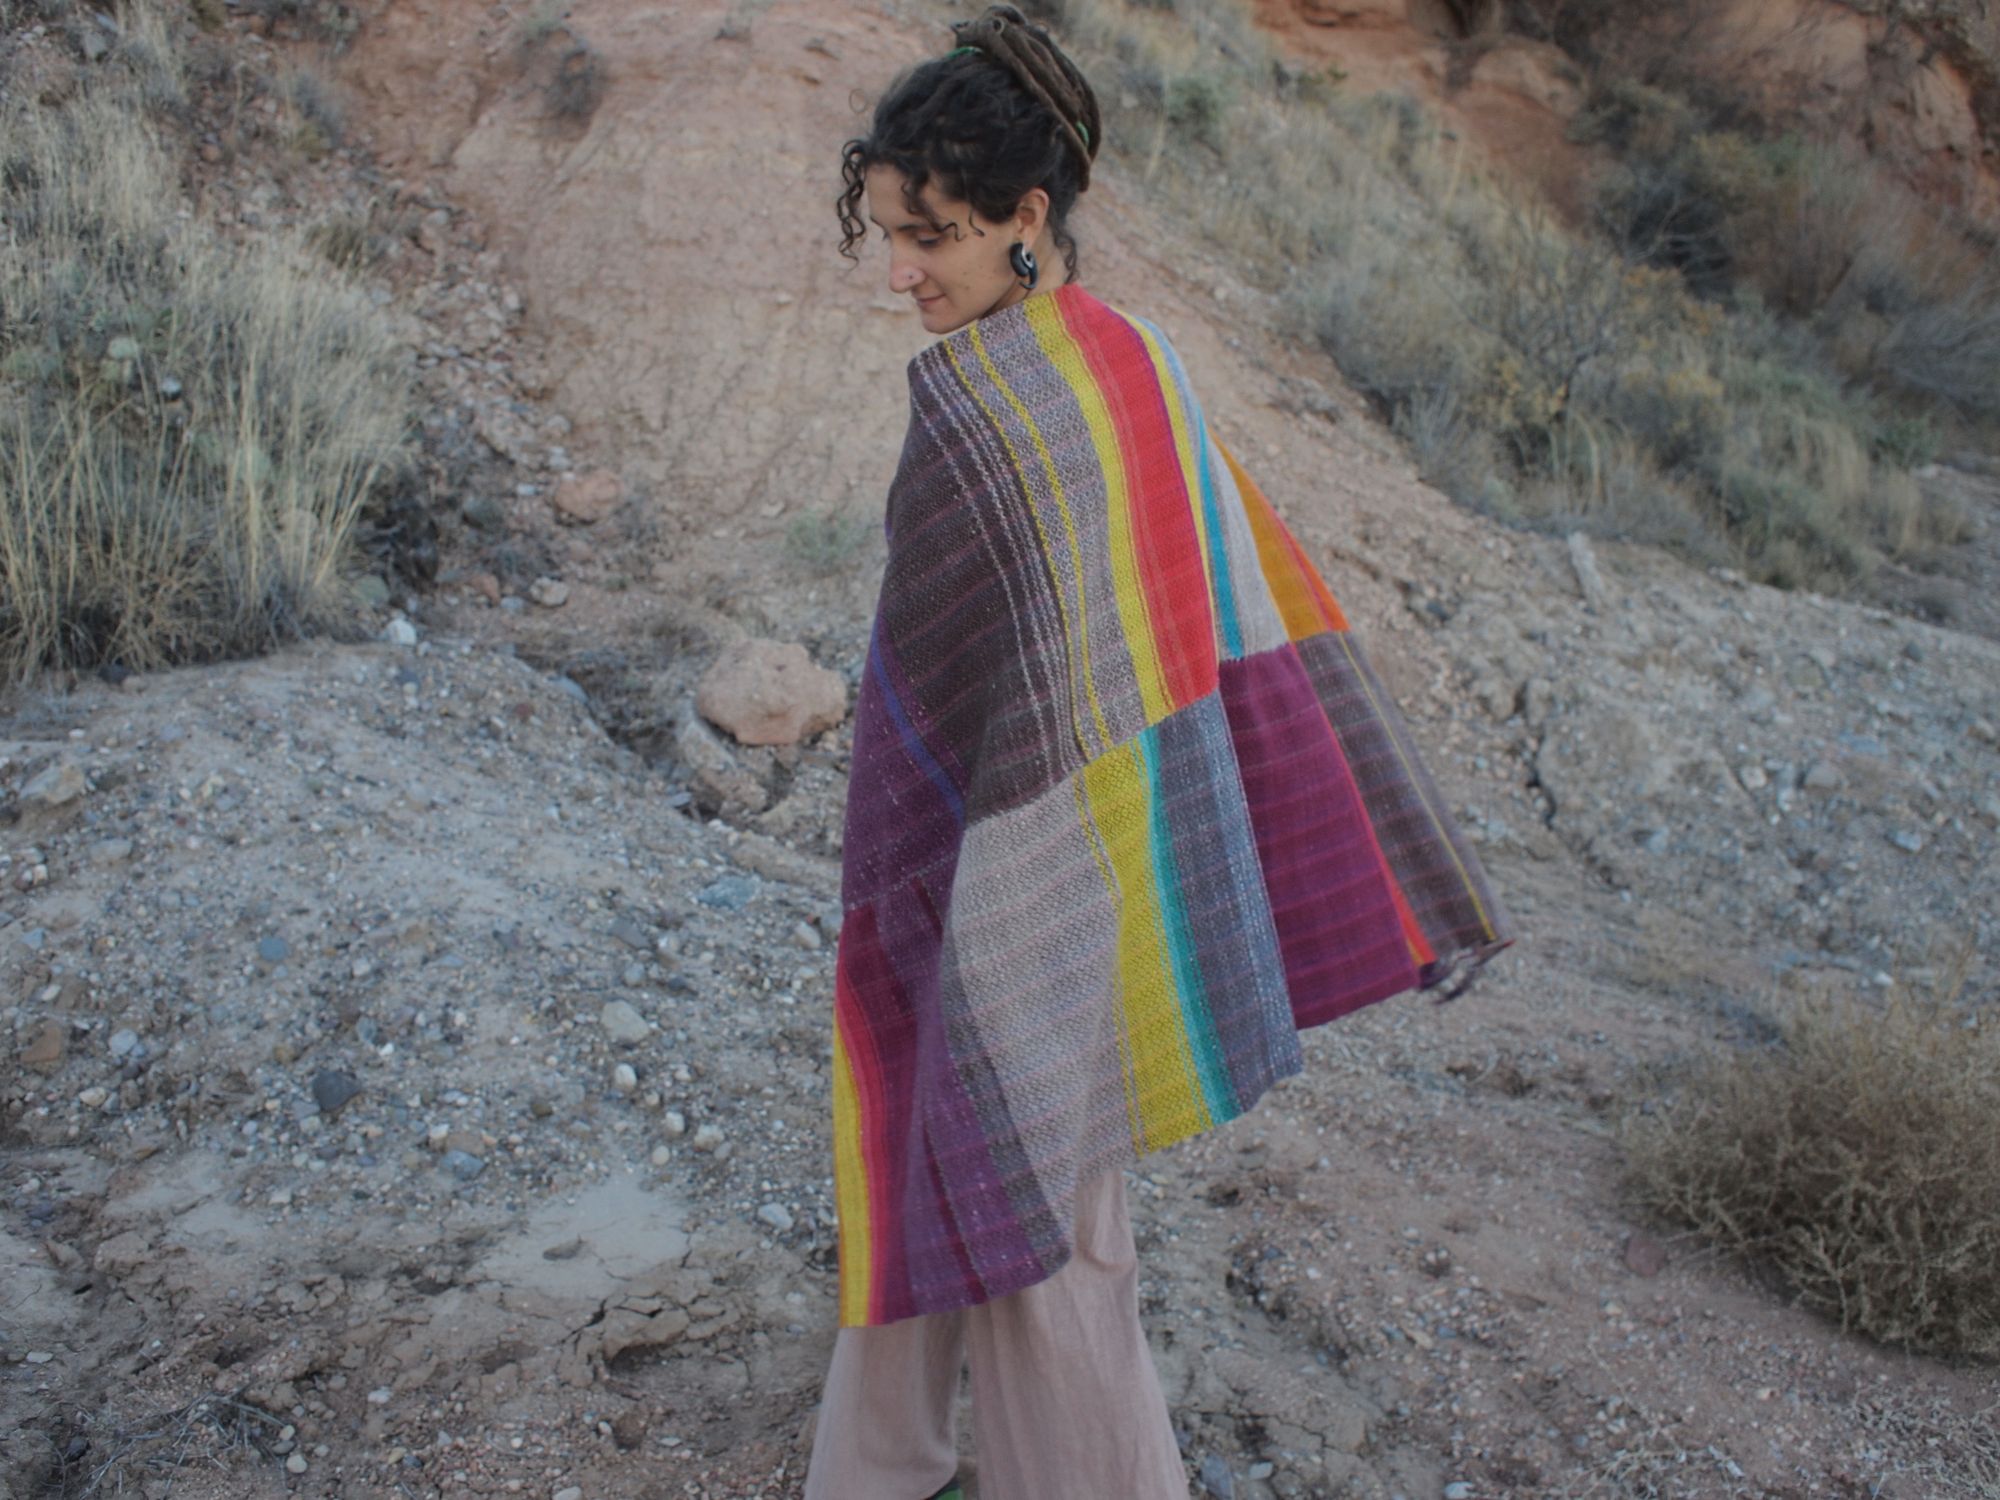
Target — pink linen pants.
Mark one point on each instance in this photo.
(1066, 1404)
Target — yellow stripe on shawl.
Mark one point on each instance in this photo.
(1133, 613)
(1180, 419)
(1163, 1089)
(1062, 506)
(851, 1181)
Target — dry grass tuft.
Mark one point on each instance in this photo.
(1859, 1156)
(189, 427)
(212, 1431)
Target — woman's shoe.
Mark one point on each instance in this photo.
(950, 1492)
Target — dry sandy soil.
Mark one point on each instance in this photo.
(415, 1072)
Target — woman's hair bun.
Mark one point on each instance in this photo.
(1045, 71)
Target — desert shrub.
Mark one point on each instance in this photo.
(1908, 441)
(826, 541)
(577, 86)
(189, 427)
(1196, 103)
(1453, 453)
(571, 71)
(1856, 1157)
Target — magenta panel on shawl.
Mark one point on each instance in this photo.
(1338, 928)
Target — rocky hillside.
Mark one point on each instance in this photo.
(415, 1075)
(1917, 85)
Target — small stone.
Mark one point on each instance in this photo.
(586, 499)
(661, 1156)
(674, 1123)
(1262, 1469)
(273, 950)
(541, 1106)
(400, 632)
(1821, 776)
(568, 1492)
(776, 1216)
(624, 1024)
(550, 593)
(728, 892)
(484, 513)
(1753, 778)
(1458, 1489)
(708, 1137)
(379, 1396)
(332, 1089)
(93, 1097)
(55, 785)
(624, 1079)
(1644, 1255)
(1908, 840)
(462, 1164)
(46, 1051)
(371, 590)
(714, 767)
(110, 851)
(807, 937)
(124, 1042)
(296, 1464)
(632, 933)
(1216, 1477)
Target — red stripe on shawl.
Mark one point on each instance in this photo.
(871, 1006)
(1173, 578)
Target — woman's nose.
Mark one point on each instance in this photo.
(903, 275)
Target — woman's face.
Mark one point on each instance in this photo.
(951, 262)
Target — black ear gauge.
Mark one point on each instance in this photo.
(1022, 259)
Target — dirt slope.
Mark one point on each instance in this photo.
(446, 875)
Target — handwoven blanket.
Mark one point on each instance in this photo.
(1128, 810)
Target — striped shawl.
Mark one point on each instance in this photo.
(1128, 810)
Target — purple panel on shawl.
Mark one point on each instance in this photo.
(1337, 923)
(966, 1244)
(905, 812)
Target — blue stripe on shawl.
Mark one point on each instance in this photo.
(913, 742)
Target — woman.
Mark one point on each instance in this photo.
(1127, 811)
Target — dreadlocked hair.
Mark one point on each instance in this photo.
(1004, 112)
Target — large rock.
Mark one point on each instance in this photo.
(770, 693)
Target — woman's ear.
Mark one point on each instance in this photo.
(1032, 214)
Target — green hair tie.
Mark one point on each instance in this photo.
(1084, 131)
(956, 50)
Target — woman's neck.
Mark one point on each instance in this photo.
(1017, 293)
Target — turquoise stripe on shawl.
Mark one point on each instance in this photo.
(1217, 1093)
